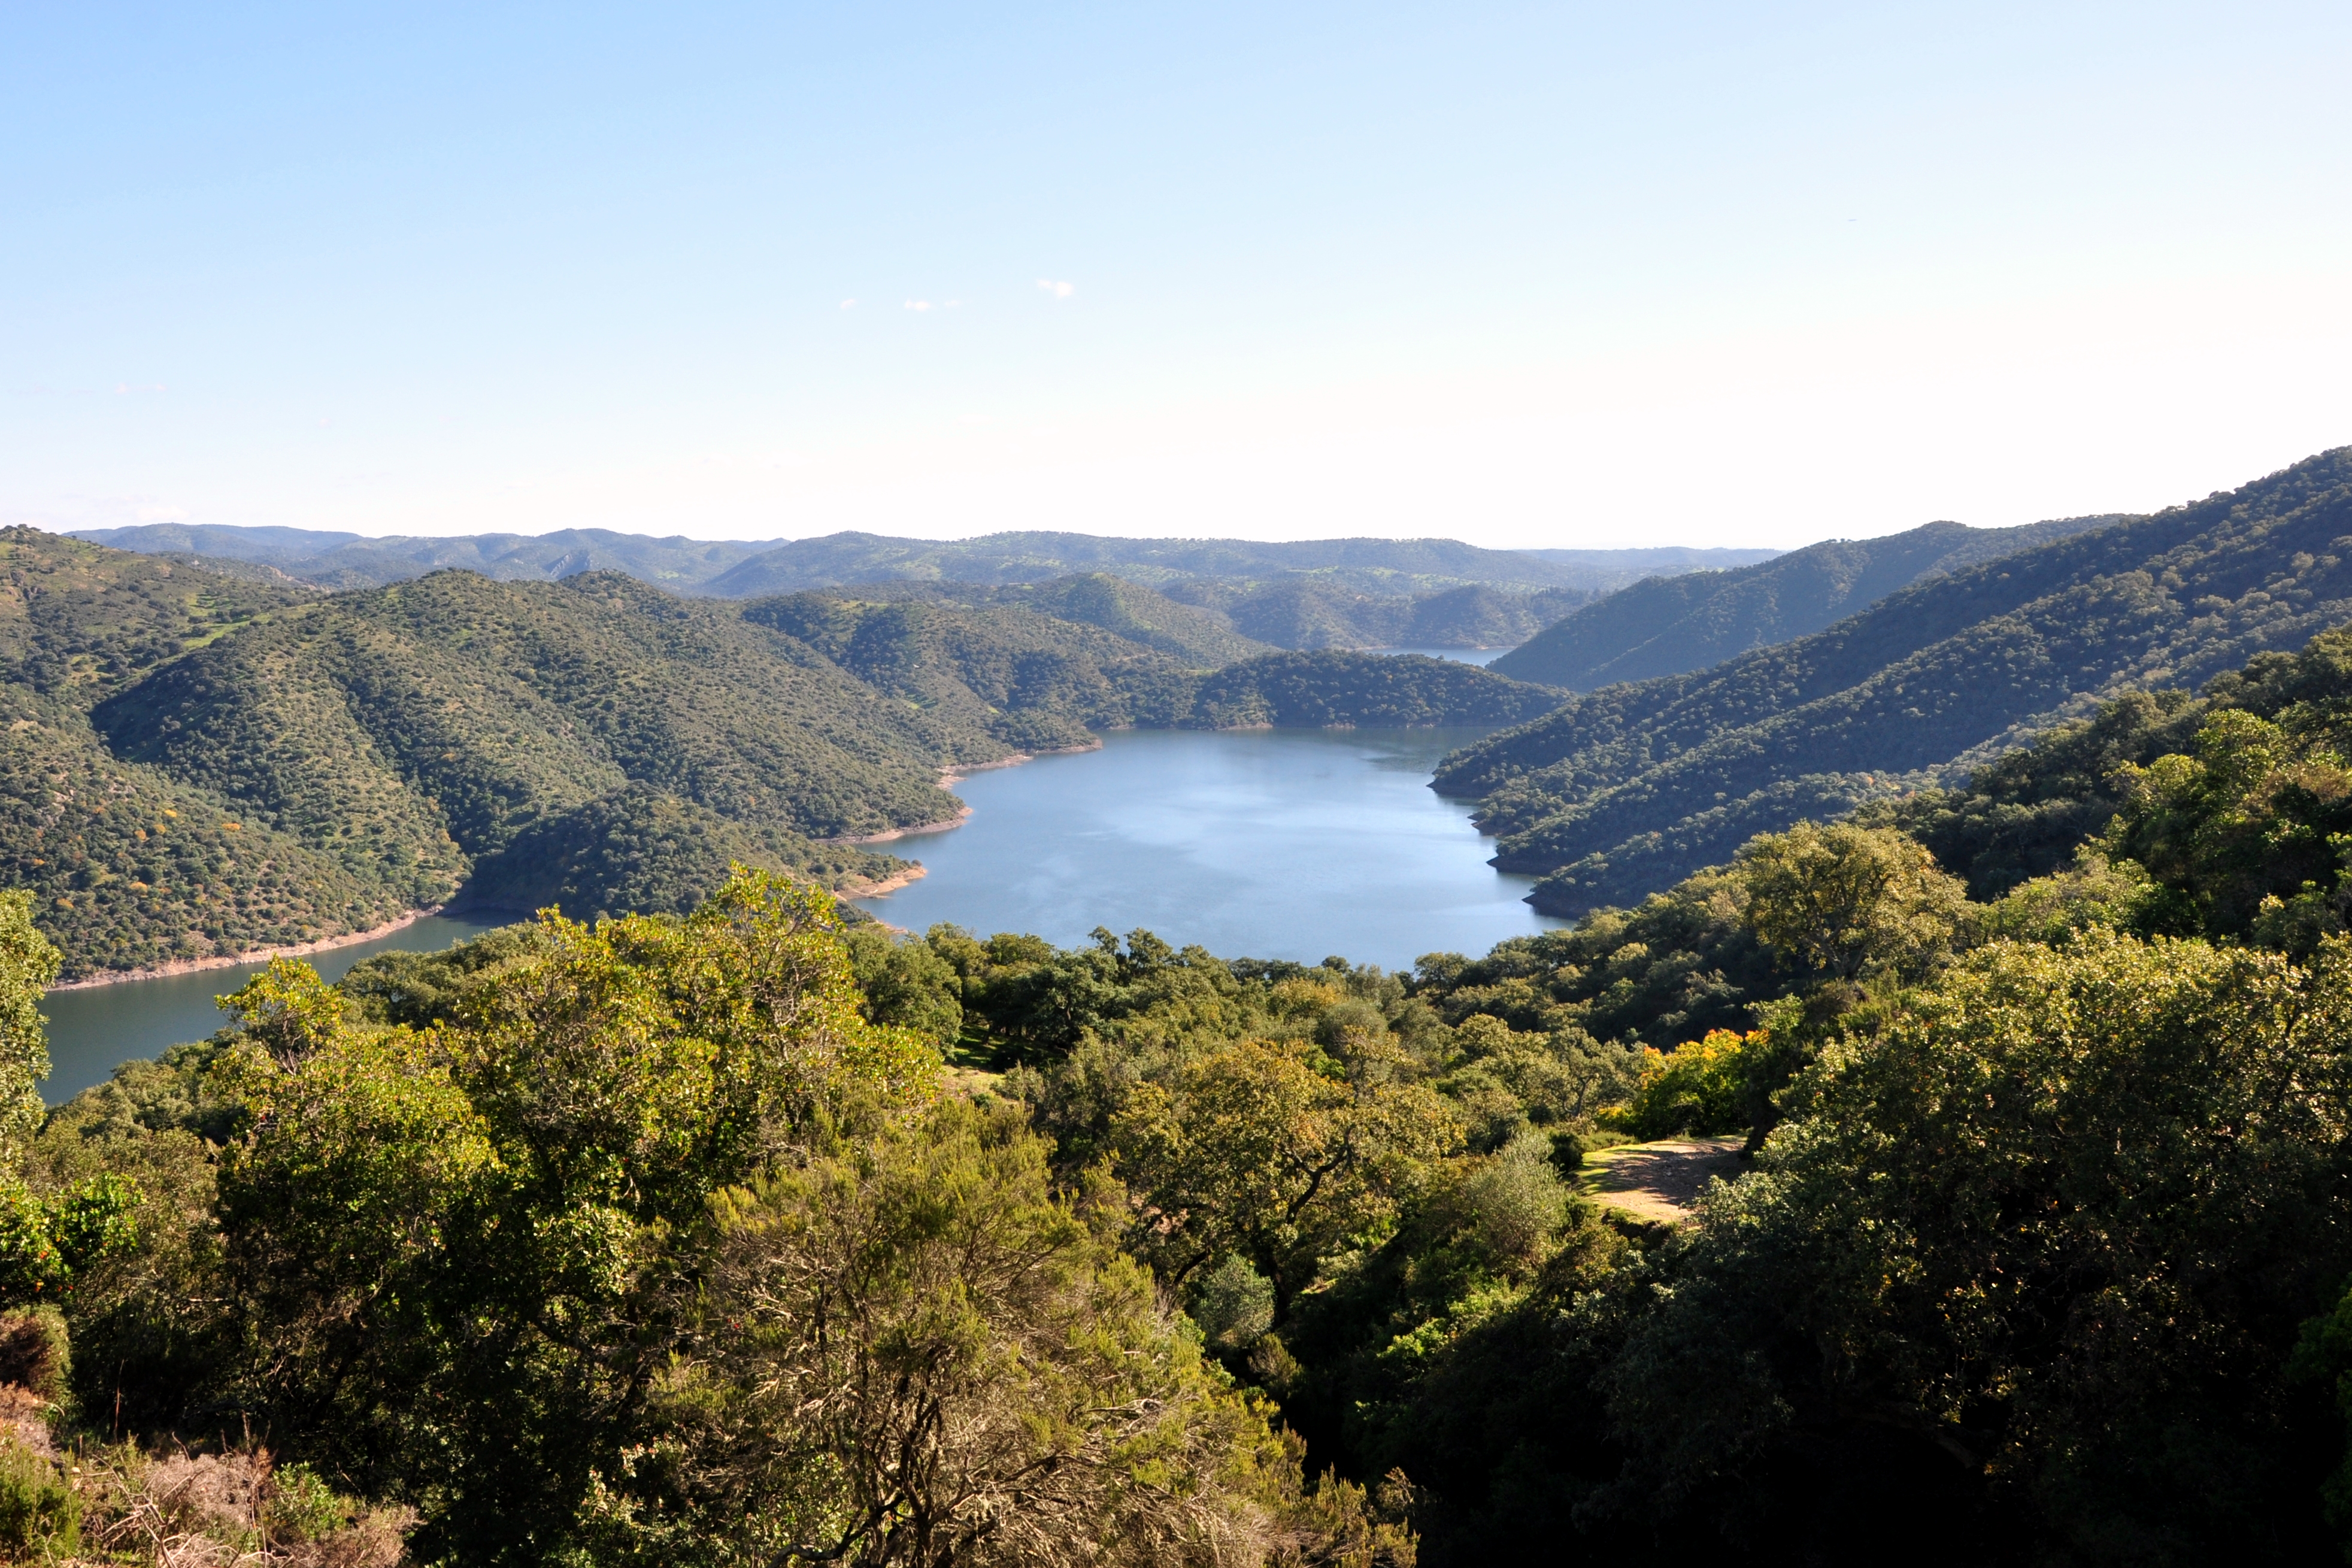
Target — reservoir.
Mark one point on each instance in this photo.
(1283, 843)
(1268, 843)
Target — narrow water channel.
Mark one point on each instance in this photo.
(92, 1028)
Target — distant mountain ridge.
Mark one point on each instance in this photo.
(752, 569)
(1626, 790)
(1666, 625)
(1401, 566)
(338, 560)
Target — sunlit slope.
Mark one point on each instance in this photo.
(1628, 788)
(129, 865)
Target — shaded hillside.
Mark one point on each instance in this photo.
(1665, 625)
(1629, 788)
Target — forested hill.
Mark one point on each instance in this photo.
(1628, 788)
(1199, 637)
(199, 766)
(1665, 625)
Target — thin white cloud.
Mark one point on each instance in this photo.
(918, 305)
(1059, 289)
(849, 305)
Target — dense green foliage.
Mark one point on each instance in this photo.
(1923, 686)
(1666, 625)
(643, 1243)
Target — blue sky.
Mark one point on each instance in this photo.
(1559, 274)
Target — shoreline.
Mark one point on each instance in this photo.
(890, 884)
(257, 956)
(948, 778)
(883, 838)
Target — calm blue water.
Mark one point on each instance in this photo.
(92, 1029)
(1267, 843)
(1280, 843)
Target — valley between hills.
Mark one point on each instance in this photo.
(204, 765)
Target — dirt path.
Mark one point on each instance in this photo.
(1659, 1181)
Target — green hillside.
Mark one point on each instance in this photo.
(1202, 639)
(1199, 638)
(1029, 681)
(131, 867)
(1665, 625)
(1629, 788)
(1404, 566)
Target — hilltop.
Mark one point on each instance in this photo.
(1626, 790)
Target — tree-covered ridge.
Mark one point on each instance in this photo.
(1030, 681)
(741, 570)
(1666, 625)
(330, 559)
(1397, 566)
(1927, 683)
